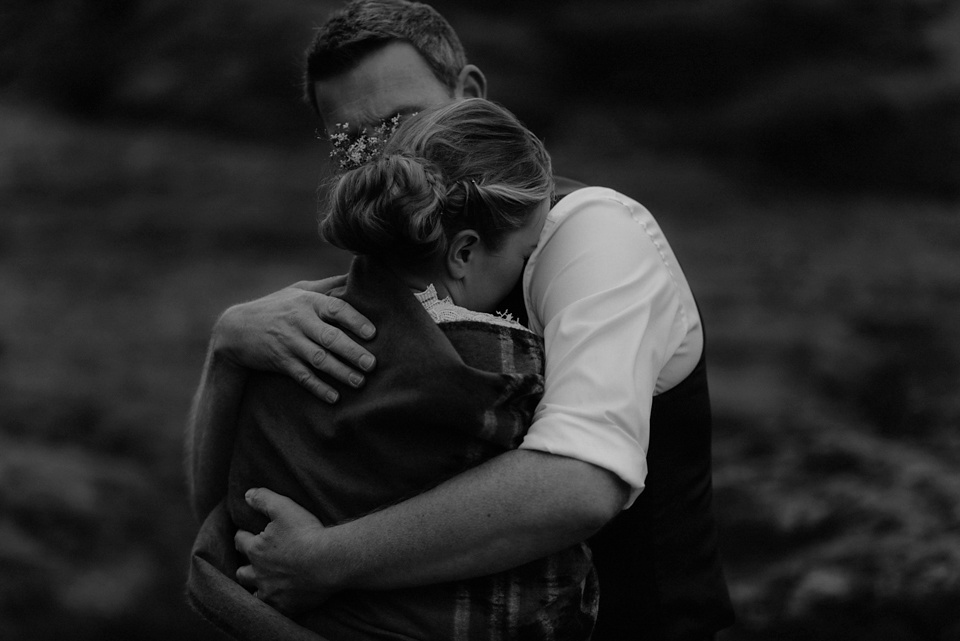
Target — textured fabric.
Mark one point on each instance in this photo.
(213, 592)
(620, 325)
(658, 561)
(443, 310)
(444, 398)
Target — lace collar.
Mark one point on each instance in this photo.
(445, 311)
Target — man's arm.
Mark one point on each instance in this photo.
(517, 507)
(527, 503)
(288, 332)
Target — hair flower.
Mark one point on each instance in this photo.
(351, 152)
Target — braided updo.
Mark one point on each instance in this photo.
(466, 165)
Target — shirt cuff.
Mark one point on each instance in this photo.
(605, 446)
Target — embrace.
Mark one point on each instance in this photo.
(495, 426)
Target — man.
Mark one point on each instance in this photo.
(624, 423)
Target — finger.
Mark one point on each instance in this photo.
(308, 379)
(345, 316)
(323, 286)
(333, 342)
(269, 503)
(247, 576)
(243, 541)
(324, 360)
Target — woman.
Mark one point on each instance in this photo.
(442, 223)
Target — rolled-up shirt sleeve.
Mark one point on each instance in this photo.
(604, 291)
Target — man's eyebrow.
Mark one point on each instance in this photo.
(402, 111)
(329, 131)
(354, 129)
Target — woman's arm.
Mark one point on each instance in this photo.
(287, 332)
(211, 430)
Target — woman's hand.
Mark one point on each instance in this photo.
(283, 570)
(298, 331)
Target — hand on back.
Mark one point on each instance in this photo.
(283, 568)
(301, 332)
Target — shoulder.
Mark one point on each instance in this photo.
(597, 240)
(597, 208)
(603, 220)
(597, 199)
(444, 310)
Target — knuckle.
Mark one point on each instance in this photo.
(329, 336)
(275, 336)
(318, 359)
(294, 318)
(302, 377)
(335, 305)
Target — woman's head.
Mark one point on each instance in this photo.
(467, 172)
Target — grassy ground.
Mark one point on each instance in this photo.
(834, 349)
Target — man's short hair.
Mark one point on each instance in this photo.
(363, 26)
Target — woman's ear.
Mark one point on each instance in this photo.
(461, 253)
(471, 83)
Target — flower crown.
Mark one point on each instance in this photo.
(351, 152)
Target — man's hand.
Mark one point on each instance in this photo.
(514, 508)
(281, 571)
(287, 332)
(298, 331)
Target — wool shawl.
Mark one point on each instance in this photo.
(443, 398)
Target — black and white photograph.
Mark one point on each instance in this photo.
(383, 320)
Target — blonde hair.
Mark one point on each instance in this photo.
(466, 165)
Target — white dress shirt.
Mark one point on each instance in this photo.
(619, 324)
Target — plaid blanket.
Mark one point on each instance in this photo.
(444, 398)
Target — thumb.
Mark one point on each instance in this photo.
(278, 508)
(266, 502)
(321, 286)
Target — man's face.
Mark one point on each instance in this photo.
(392, 80)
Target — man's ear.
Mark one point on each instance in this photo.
(471, 83)
(461, 253)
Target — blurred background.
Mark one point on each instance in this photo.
(803, 157)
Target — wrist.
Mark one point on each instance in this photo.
(334, 566)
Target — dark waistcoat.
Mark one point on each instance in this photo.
(658, 562)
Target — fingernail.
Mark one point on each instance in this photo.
(356, 380)
(332, 397)
(367, 331)
(366, 362)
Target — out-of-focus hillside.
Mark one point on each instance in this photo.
(844, 96)
(156, 165)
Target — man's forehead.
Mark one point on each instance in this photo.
(391, 80)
